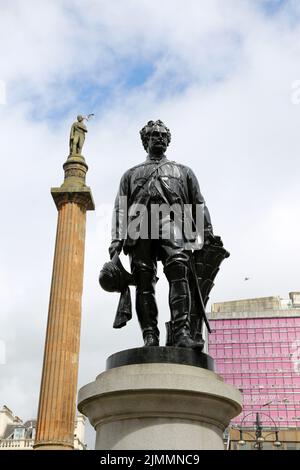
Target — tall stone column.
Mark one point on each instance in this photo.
(57, 404)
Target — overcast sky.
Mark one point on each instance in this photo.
(221, 74)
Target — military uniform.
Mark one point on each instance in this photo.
(159, 181)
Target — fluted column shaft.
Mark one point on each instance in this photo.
(57, 405)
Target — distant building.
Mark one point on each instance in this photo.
(16, 434)
(256, 347)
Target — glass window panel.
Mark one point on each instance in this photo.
(275, 336)
(277, 350)
(267, 336)
(19, 433)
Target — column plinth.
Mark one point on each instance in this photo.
(57, 405)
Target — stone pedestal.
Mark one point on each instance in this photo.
(160, 405)
(57, 405)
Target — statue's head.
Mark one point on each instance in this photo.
(155, 137)
(79, 118)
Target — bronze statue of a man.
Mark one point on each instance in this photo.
(154, 183)
(77, 136)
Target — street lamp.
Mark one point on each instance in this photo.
(259, 438)
(277, 442)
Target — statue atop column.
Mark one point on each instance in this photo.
(161, 215)
(77, 135)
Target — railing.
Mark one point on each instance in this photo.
(16, 444)
(28, 444)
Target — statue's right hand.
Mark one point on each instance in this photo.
(115, 247)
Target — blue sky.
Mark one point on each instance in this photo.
(219, 73)
(125, 69)
(272, 7)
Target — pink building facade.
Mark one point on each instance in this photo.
(259, 353)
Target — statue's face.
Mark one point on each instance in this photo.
(79, 118)
(158, 141)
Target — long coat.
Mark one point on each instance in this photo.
(176, 183)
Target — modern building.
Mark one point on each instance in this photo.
(256, 347)
(16, 434)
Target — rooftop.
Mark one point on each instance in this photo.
(257, 307)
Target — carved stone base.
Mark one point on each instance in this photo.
(158, 406)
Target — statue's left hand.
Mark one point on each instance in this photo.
(115, 247)
(209, 237)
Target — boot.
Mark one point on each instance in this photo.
(146, 307)
(183, 339)
(179, 301)
(150, 339)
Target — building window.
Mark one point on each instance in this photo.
(19, 433)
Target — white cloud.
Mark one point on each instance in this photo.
(2, 92)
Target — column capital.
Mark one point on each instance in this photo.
(74, 188)
(81, 196)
